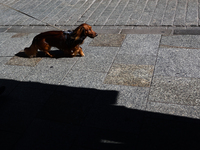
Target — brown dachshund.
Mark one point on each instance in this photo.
(69, 41)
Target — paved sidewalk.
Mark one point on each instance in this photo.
(138, 86)
(179, 13)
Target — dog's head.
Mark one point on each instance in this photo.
(83, 31)
(88, 30)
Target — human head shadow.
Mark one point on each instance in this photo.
(46, 116)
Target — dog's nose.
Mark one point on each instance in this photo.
(96, 34)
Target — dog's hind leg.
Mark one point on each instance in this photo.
(45, 47)
(31, 51)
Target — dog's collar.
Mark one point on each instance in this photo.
(66, 33)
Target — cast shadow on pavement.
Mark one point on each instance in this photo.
(42, 116)
(55, 53)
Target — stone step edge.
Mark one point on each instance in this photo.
(166, 31)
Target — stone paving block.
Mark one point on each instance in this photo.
(88, 13)
(106, 30)
(189, 41)
(67, 8)
(126, 14)
(174, 90)
(83, 79)
(28, 9)
(18, 35)
(13, 45)
(77, 14)
(127, 96)
(98, 11)
(63, 20)
(174, 109)
(21, 61)
(42, 11)
(51, 70)
(12, 72)
(137, 12)
(147, 13)
(111, 40)
(59, 5)
(4, 37)
(192, 13)
(132, 75)
(14, 16)
(180, 13)
(178, 62)
(116, 13)
(3, 29)
(6, 15)
(96, 59)
(135, 59)
(144, 44)
(151, 30)
(168, 18)
(38, 136)
(106, 13)
(158, 13)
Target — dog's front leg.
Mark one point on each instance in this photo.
(81, 52)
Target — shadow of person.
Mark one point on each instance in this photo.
(44, 116)
(2, 89)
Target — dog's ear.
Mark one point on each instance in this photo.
(80, 32)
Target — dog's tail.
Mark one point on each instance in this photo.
(32, 50)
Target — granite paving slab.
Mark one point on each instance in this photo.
(187, 41)
(51, 70)
(135, 59)
(84, 79)
(3, 29)
(17, 35)
(152, 30)
(21, 61)
(174, 90)
(132, 75)
(179, 62)
(4, 37)
(13, 72)
(96, 59)
(127, 96)
(141, 44)
(111, 40)
(13, 45)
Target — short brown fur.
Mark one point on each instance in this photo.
(70, 45)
